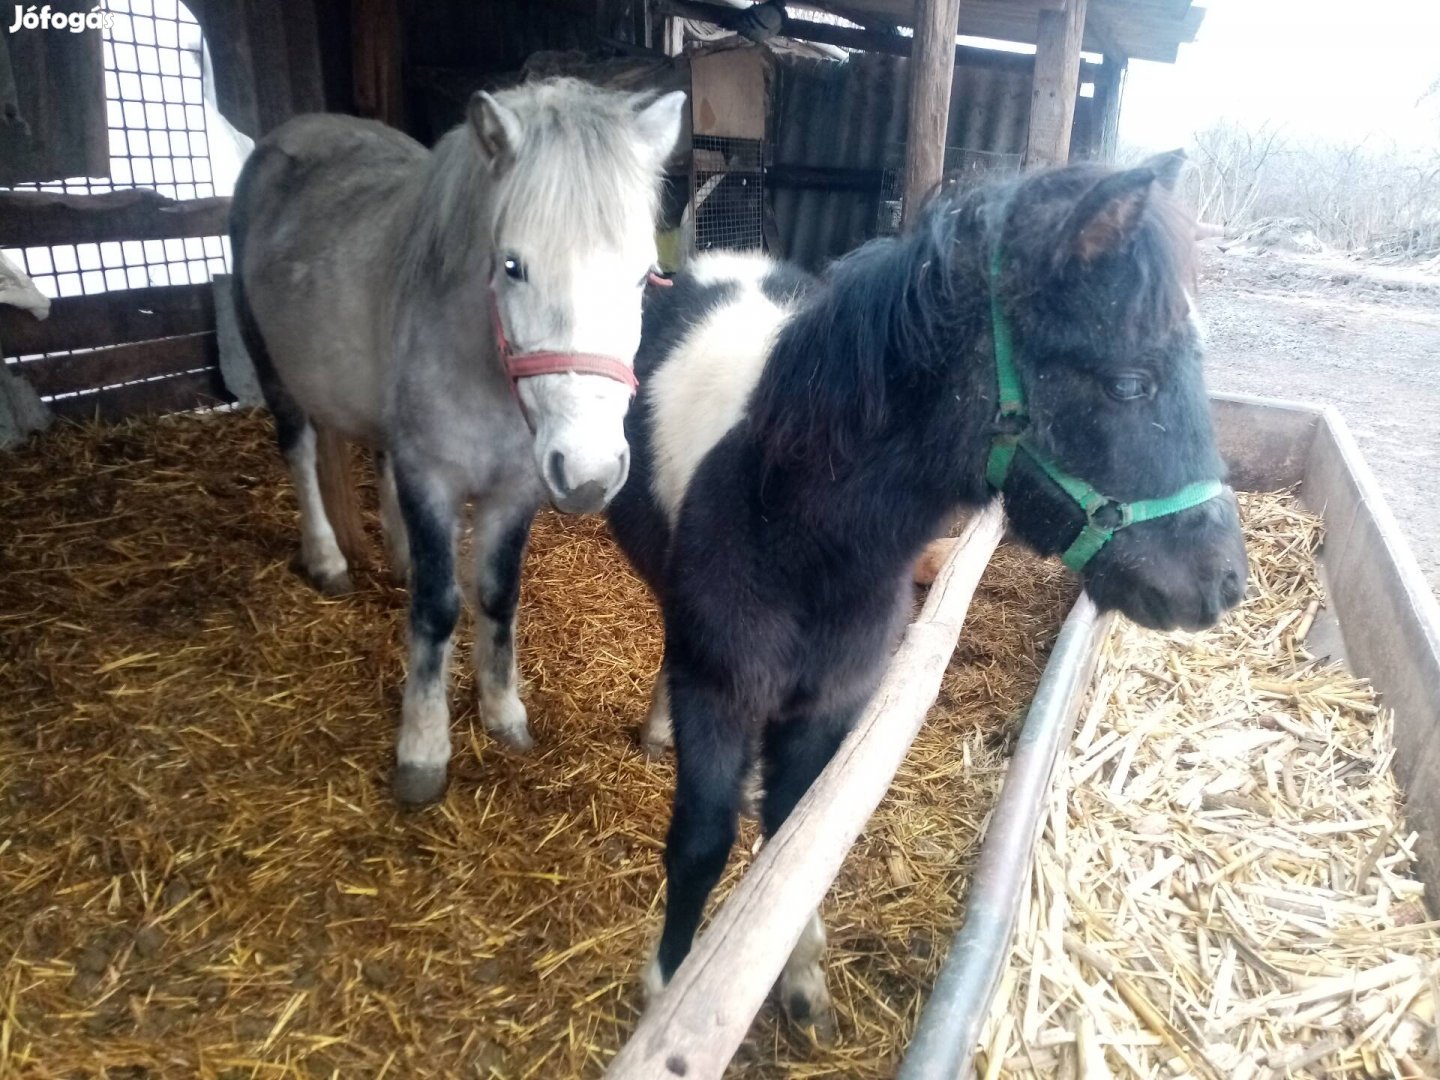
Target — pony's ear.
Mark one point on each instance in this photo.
(1167, 167)
(1105, 218)
(497, 127)
(659, 123)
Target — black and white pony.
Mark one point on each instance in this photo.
(471, 312)
(797, 443)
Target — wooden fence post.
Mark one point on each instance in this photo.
(1057, 81)
(932, 70)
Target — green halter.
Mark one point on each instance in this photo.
(1104, 516)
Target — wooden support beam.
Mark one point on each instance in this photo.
(932, 71)
(79, 372)
(377, 57)
(693, 1028)
(109, 318)
(1057, 81)
(1109, 92)
(824, 178)
(44, 218)
(176, 393)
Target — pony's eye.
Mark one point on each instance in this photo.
(515, 269)
(1129, 386)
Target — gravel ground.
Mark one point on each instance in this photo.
(1361, 337)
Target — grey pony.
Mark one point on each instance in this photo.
(379, 286)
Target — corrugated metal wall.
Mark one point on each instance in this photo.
(853, 116)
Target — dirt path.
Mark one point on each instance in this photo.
(1365, 339)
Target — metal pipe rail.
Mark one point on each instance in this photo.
(944, 1042)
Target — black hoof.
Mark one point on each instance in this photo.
(820, 1025)
(419, 785)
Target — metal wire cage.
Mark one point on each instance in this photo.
(727, 193)
(155, 114)
(964, 169)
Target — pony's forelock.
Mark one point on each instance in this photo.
(582, 175)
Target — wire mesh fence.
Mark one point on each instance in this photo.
(156, 119)
(727, 193)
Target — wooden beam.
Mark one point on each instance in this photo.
(1109, 92)
(378, 56)
(176, 393)
(80, 372)
(693, 1028)
(1057, 81)
(110, 318)
(43, 218)
(932, 71)
(1141, 30)
(824, 178)
(847, 37)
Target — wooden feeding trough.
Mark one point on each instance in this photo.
(1380, 617)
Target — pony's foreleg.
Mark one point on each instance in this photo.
(657, 736)
(422, 748)
(392, 521)
(711, 752)
(794, 753)
(501, 533)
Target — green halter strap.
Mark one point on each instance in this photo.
(1104, 516)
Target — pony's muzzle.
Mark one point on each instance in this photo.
(586, 493)
(1180, 572)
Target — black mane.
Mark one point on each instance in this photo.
(873, 322)
(900, 308)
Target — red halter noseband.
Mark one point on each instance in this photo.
(550, 362)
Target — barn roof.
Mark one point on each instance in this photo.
(1139, 29)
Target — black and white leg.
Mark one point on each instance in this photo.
(795, 751)
(501, 533)
(392, 521)
(711, 753)
(422, 747)
(320, 555)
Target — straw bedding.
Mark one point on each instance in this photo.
(201, 870)
(1222, 888)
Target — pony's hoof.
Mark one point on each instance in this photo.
(517, 739)
(651, 979)
(815, 1016)
(419, 785)
(652, 747)
(334, 584)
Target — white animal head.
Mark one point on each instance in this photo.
(576, 175)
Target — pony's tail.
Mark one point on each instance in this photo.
(338, 493)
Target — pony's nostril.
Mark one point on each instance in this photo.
(555, 472)
(1232, 588)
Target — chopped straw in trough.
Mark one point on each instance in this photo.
(202, 873)
(1221, 890)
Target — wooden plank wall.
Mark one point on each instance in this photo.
(140, 350)
(154, 349)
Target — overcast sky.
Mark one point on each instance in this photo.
(1346, 69)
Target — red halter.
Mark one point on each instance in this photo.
(550, 362)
